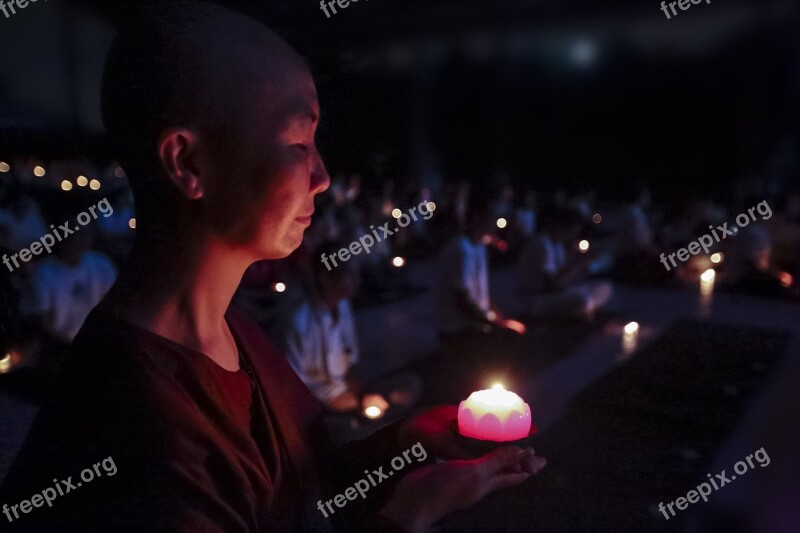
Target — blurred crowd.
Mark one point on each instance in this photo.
(566, 250)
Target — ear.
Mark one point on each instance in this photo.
(177, 150)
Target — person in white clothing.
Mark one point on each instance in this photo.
(552, 272)
(66, 286)
(463, 288)
(321, 344)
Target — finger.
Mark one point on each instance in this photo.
(533, 463)
(503, 480)
(500, 459)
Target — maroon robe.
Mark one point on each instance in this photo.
(196, 447)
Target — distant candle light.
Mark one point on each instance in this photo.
(39, 171)
(716, 258)
(786, 279)
(398, 262)
(502, 223)
(396, 213)
(597, 218)
(5, 363)
(279, 287)
(630, 338)
(82, 181)
(431, 206)
(583, 246)
(373, 412)
(66, 185)
(132, 223)
(4, 167)
(94, 185)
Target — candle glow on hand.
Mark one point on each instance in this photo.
(494, 414)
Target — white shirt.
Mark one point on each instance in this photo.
(541, 256)
(320, 349)
(69, 292)
(462, 266)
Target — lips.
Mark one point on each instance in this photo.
(305, 219)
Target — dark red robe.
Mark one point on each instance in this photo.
(196, 447)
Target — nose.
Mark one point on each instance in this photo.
(320, 180)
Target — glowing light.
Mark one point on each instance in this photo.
(4, 167)
(502, 223)
(431, 207)
(502, 246)
(5, 363)
(132, 223)
(583, 52)
(398, 262)
(583, 246)
(717, 258)
(373, 412)
(494, 414)
(81, 181)
(708, 276)
(118, 172)
(396, 213)
(597, 218)
(631, 328)
(94, 185)
(786, 279)
(66, 185)
(279, 287)
(38, 171)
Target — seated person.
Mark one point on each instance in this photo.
(552, 271)
(320, 343)
(67, 285)
(463, 288)
(206, 426)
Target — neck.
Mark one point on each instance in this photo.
(180, 287)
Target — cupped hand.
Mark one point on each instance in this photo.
(432, 429)
(428, 494)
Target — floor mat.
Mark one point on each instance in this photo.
(644, 433)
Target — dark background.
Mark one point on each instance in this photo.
(548, 94)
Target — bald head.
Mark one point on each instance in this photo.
(193, 65)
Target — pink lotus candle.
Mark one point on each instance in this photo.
(494, 414)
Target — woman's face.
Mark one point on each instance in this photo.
(267, 190)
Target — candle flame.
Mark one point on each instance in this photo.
(631, 328)
(708, 276)
(373, 411)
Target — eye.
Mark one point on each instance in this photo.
(301, 146)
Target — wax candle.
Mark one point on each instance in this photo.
(494, 414)
(630, 337)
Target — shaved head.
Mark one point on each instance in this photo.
(198, 66)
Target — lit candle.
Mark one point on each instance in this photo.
(630, 337)
(494, 414)
(706, 291)
(583, 246)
